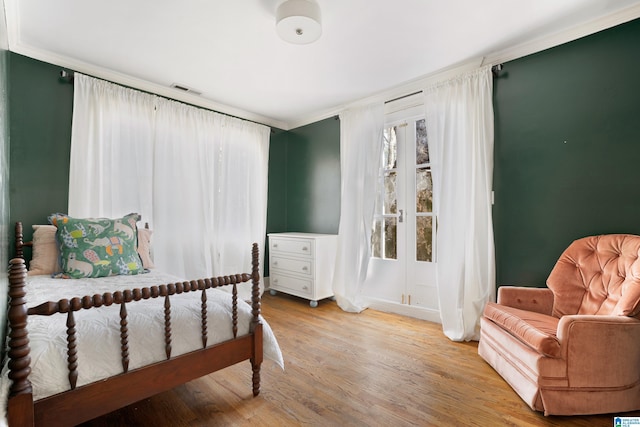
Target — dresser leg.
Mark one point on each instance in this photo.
(313, 304)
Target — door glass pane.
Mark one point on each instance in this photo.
(383, 236)
(422, 148)
(390, 203)
(424, 238)
(424, 190)
(390, 153)
(390, 229)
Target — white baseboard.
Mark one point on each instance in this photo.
(405, 310)
(395, 308)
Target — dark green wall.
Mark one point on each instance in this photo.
(313, 178)
(40, 125)
(567, 150)
(4, 178)
(277, 192)
(304, 179)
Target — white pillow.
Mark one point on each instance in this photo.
(144, 247)
(45, 257)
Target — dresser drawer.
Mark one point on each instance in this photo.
(299, 266)
(293, 285)
(294, 247)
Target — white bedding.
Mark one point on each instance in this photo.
(98, 330)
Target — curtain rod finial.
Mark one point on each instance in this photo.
(66, 76)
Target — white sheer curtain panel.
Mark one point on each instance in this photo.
(111, 143)
(241, 188)
(183, 205)
(211, 175)
(198, 177)
(460, 130)
(360, 153)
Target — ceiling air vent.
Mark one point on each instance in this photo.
(185, 89)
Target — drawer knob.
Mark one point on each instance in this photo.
(305, 268)
(275, 245)
(305, 288)
(275, 281)
(304, 248)
(275, 262)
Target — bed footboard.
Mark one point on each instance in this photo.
(92, 400)
(20, 405)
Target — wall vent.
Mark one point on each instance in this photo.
(185, 89)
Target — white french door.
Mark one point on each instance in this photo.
(402, 269)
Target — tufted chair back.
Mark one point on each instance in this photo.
(598, 275)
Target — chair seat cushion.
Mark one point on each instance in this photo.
(536, 330)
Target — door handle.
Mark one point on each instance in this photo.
(401, 216)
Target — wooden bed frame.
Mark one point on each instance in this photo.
(92, 400)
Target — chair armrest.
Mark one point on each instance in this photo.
(539, 300)
(608, 342)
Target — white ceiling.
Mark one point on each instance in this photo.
(229, 51)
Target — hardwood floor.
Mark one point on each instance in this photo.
(343, 369)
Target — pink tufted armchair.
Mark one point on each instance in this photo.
(573, 347)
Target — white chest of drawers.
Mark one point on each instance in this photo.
(302, 264)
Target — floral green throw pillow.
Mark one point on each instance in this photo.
(97, 247)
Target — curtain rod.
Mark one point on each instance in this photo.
(494, 69)
(66, 76)
(402, 97)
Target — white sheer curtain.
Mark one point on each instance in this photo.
(360, 150)
(198, 177)
(210, 172)
(111, 144)
(460, 132)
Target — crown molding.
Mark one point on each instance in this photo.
(509, 54)
(565, 36)
(15, 45)
(144, 85)
(399, 91)
(409, 87)
(10, 11)
(4, 37)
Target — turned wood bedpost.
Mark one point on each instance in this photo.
(256, 325)
(19, 240)
(255, 284)
(20, 406)
(203, 312)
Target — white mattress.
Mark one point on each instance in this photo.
(98, 330)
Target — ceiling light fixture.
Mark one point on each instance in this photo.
(298, 21)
